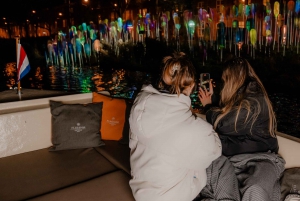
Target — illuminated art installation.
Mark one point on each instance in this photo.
(240, 27)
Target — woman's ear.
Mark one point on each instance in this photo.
(167, 79)
(192, 86)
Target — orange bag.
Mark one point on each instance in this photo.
(113, 116)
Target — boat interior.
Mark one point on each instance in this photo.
(30, 172)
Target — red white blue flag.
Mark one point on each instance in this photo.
(23, 66)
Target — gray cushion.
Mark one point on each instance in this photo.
(110, 187)
(75, 126)
(39, 172)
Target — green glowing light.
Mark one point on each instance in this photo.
(191, 24)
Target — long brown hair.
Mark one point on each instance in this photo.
(178, 73)
(240, 80)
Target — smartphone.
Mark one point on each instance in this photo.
(204, 80)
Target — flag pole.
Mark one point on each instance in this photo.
(19, 81)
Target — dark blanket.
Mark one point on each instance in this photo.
(258, 176)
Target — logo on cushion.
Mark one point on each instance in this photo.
(77, 128)
(113, 121)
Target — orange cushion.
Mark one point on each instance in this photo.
(113, 116)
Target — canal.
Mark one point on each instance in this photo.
(124, 74)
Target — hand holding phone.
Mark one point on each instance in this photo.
(206, 89)
(204, 81)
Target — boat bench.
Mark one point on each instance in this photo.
(100, 173)
(28, 171)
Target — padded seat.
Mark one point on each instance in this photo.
(110, 187)
(117, 153)
(30, 174)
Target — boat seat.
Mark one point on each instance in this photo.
(109, 187)
(40, 172)
(118, 154)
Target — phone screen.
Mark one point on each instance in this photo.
(204, 80)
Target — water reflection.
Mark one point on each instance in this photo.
(37, 79)
(125, 84)
(11, 73)
(120, 83)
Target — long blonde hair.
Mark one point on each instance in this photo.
(240, 80)
(178, 73)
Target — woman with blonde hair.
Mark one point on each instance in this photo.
(246, 124)
(170, 147)
(245, 119)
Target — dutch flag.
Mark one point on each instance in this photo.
(22, 63)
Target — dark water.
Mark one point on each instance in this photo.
(120, 83)
(123, 76)
(287, 110)
(126, 84)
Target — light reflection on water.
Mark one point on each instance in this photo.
(119, 82)
(123, 83)
(10, 73)
(63, 79)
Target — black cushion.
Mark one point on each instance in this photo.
(75, 126)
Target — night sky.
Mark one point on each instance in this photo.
(20, 8)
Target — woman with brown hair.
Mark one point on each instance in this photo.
(246, 124)
(170, 147)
